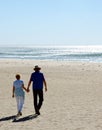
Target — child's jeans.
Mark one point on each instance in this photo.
(20, 102)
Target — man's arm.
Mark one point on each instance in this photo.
(24, 87)
(45, 84)
(28, 85)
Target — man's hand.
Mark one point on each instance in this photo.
(13, 95)
(45, 89)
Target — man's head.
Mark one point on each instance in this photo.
(37, 68)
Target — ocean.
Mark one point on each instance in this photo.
(55, 53)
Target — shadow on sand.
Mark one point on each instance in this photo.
(26, 118)
(14, 118)
(7, 118)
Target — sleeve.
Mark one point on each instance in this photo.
(43, 77)
(22, 82)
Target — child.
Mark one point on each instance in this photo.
(18, 92)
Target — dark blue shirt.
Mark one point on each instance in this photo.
(37, 78)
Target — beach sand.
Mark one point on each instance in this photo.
(73, 100)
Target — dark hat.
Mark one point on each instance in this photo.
(37, 67)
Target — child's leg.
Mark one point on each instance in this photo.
(17, 99)
(21, 103)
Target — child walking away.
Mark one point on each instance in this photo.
(18, 92)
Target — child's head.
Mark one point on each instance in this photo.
(17, 76)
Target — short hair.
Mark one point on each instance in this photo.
(17, 76)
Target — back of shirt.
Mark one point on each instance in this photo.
(18, 87)
(37, 78)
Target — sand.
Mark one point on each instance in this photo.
(73, 100)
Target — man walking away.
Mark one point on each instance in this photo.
(37, 78)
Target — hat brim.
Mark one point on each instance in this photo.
(37, 68)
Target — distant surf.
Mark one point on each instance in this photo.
(61, 53)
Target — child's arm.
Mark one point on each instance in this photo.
(13, 91)
(24, 88)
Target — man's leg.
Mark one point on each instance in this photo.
(35, 100)
(40, 93)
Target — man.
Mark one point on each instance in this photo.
(37, 78)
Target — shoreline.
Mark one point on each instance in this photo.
(44, 63)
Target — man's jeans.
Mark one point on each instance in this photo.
(38, 99)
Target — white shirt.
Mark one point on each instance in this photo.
(18, 87)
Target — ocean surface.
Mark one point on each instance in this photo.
(57, 53)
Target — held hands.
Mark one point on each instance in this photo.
(28, 90)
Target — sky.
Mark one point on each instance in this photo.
(50, 22)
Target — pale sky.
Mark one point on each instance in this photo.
(50, 22)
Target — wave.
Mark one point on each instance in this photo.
(78, 53)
